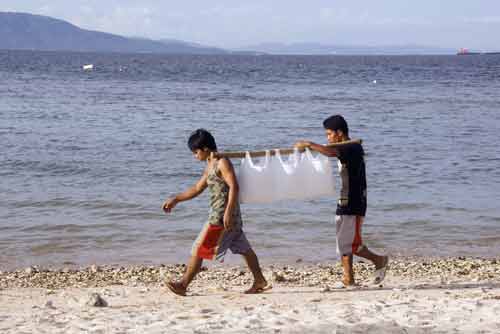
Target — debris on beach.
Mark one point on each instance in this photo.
(278, 277)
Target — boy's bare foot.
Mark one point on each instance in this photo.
(346, 284)
(258, 288)
(348, 281)
(177, 288)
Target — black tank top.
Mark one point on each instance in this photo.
(352, 172)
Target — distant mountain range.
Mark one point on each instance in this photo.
(20, 31)
(324, 49)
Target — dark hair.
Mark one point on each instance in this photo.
(336, 122)
(201, 139)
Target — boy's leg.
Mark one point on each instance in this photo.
(348, 278)
(378, 260)
(237, 242)
(349, 241)
(205, 246)
(381, 263)
(348, 237)
(259, 283)
(193, 267)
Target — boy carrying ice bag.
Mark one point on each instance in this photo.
(351, 206)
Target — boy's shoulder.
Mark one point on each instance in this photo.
(223, 163)
(351, 151)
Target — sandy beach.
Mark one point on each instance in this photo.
(453, 295)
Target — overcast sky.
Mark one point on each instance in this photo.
(232, 23)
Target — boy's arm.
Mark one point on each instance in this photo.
(227, 173)
(192, 192)
(325, 150)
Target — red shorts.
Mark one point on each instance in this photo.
(214, 241)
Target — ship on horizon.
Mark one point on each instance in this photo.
(467, 52)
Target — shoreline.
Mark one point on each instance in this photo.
(460, 295)
(306, 274)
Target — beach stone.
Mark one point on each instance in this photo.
(50, 304)
(94, 269)
(277, 277)
(30, 270)
(95, 300)
(163, 273)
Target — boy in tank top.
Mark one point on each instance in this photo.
(224, 228)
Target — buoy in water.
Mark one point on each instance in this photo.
(374, 81)
(88, 67)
